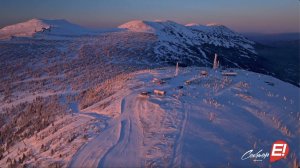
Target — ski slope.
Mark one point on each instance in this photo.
(201, 121)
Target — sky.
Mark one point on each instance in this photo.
(260, 16)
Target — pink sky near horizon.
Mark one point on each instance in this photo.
(267, 16)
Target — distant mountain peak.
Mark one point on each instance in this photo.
(214, 24)
(137, 26)
(209, 24)
(37, 26)
(27, 28)
(179, 40)
(158, 25)
(148, 26)
(213, 28)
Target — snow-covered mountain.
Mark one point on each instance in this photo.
(35, 27)
(196, 44)
(77, 102)
(168, 42)
(190, 44)
(201, 121)
(201, 117)
(220, 35)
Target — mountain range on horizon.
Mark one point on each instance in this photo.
(187, 44)
(171, 42)
(30, 27)
(252, 35)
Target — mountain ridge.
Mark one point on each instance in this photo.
(36, 26)
(191, 44)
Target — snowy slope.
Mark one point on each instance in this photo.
(223, 35)
(209, 122)
(196, 44)
(37, 26)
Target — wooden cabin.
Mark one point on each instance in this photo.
(158, 81)
(145, 94)
(204, 73)
(188, 82)
(159, 92)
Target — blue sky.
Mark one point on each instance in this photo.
(264, 16)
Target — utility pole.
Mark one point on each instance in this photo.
(216, 62)
(177, 69)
